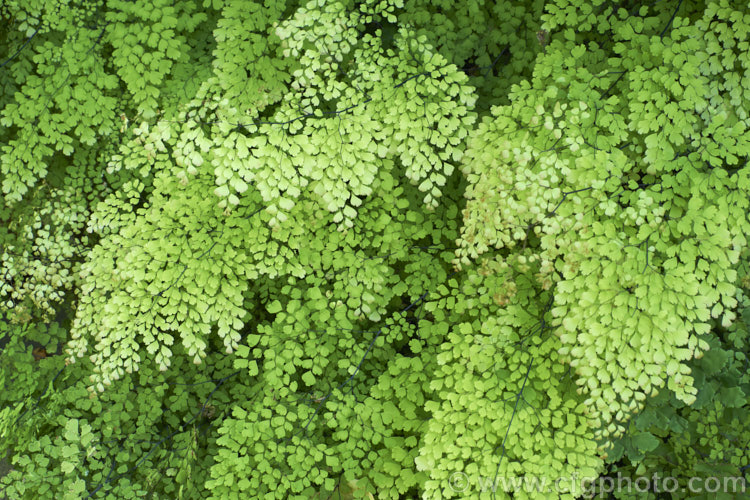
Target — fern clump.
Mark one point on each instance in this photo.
(347, 249)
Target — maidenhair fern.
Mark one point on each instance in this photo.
(347, 249)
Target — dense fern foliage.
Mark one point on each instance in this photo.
(339, 249)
